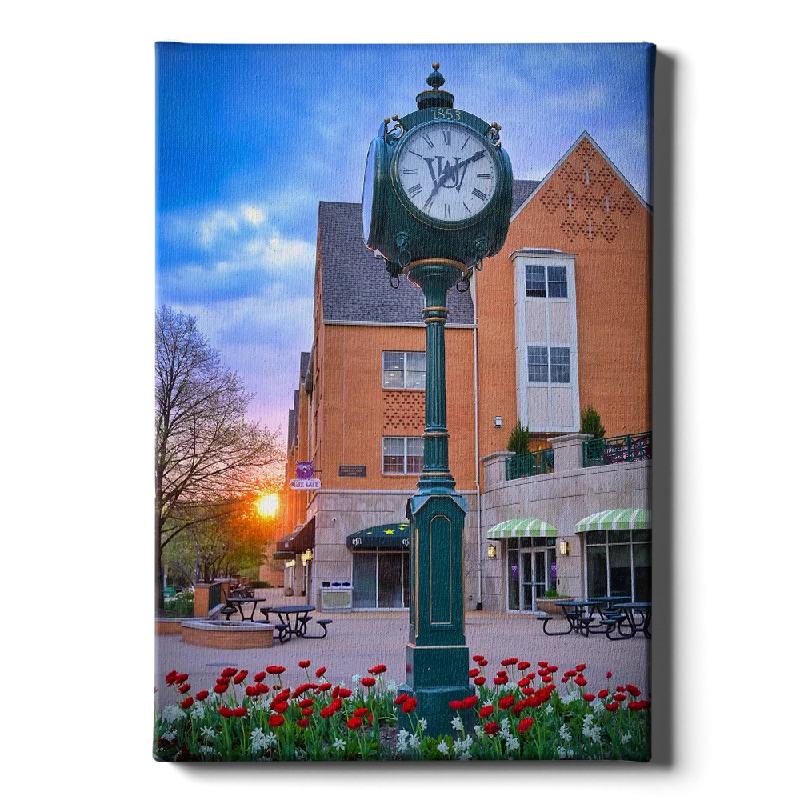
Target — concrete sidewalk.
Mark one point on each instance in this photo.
(357, 641)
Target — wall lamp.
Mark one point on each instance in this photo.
(498, 422)
(564, 547)
(491, 551)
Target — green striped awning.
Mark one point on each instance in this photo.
(521, 527)
(615, 519)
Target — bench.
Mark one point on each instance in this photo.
(228, 611)
(323, 623)
(545, 618)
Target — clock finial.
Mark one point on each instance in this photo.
(435, 79)
(435, 97)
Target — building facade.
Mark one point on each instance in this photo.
(558, 320)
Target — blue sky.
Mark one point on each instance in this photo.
(250, 138)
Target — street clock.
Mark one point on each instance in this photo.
(437, 185)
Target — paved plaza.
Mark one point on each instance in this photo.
(358, 640)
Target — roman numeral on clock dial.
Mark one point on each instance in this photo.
(479, 194)
(413, 191)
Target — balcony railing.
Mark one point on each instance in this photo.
(633, 447)
(527, 464)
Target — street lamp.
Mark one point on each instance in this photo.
(437, 200)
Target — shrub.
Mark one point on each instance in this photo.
(519, 440)
(590, 422)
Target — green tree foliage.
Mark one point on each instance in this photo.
(590, 422)
(519, 439)
(208, 457)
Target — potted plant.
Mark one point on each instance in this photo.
(547, 602)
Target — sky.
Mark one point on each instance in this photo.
(249, 139)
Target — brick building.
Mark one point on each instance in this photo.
(559, 319)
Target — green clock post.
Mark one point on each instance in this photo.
(437, 199)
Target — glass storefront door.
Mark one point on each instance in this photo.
(618, 563)
(380, 579)
(529, 571)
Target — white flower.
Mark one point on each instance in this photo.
(457, 724)
(206, 750)
(465, 756)
(548, 709)
(443, 748)
(505, 724)
(258, 741)
(197, 711)
(339, 744)
(403, 735)
(562, 753)
(356, 678)
(271, 739)
(423, 724)
(413, 740)
(625, 738)
(208, 734)
(171, 713)
(169, 735)
(391, 686)
(564, 733)
(478, 730)
(512, 743)
(402, 745)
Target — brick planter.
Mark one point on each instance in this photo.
(228, 635)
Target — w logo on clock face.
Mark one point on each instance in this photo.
(304, 469)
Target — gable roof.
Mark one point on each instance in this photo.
(355, 284)
(584, 135)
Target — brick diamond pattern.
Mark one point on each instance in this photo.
(404, 413)
(589, 195)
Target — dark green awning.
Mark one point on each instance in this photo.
(389, 536)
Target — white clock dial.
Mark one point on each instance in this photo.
(447, 171)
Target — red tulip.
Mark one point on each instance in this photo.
(477, 658)
(259, 676)
(506, 702)
(345, 693)
(361, 712)
(581, 667)
(620, 696)
(181, 678)
(307, 712)
(524, 724)
(303, 723)
(609, 675)
(547, 679)
(602, 694)
(523, 665)
(470, 702)
(306, 703)
(353, 723)
(409, 705)
(474, 673)
(479, 681)
(228, 672)
(456, 705)
(486, 711)
(201, 695)
(542, 663)
(185, 688)
(251, 691)
(581, 681)
(280, 708)
(274, 669)
(588, 697)
(368, 681)
(491, 728)
(323, 687)
(240, 676)
(507, 662)
(632, 690)
(187, 702)
(377, 670)
(240, 712)
(612, 706)
(400, 699)
(320, 672)
(225, 711)
(220, 688)
(276, 720)
(303, 664)
(483, 662)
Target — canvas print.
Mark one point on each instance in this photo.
(403, 434)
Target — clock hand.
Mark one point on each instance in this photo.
(446, 173)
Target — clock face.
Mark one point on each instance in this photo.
(447, 171)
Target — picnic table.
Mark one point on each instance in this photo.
(302, 616)
(637, 620)
(594, 615)
(241, 602)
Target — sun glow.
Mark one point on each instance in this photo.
(267, 505)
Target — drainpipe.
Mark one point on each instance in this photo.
(479, 605)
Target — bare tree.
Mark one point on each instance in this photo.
(207, 454)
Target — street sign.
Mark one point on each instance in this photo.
(305, 483)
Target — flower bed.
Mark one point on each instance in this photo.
(521, 713)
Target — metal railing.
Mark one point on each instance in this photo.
(214, 595)
(617, 449)
(528, 464)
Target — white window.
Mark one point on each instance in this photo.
(403, 370)
(402, 455)
(548, 364)
(545, 281)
